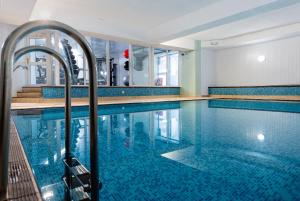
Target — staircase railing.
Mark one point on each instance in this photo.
(6, 67)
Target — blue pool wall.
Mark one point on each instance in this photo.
(284, 90)
(82, 92)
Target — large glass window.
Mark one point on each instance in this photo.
(99, 48)
(75, 53)
(160, 67)
(119, 63)
(173, 68)
(140, 65)
(166, 65)
(38, 62)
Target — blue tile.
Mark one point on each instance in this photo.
(272, 91)
(80, 92)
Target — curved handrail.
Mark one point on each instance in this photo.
(6, 67)
(19, 66)
(68, 78)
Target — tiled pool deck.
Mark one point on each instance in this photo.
(103, 101)
(21, 183)
(49, 103)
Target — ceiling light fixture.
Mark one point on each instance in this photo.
(261, 58)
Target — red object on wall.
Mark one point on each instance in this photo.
(126, 53)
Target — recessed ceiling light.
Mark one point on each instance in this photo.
(261, 58)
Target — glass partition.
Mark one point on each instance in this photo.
(78, 68)
(38, 62)
(166, 67)
(119, 63)
(99, 48)
(140, 65)
(160, 67)
(173, 68)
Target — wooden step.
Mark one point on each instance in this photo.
(27, 100)
(29, 94)
(31, 89)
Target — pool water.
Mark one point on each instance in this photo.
(185, 151)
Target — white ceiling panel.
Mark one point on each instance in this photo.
(15, 11)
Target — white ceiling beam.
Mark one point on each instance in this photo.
(217, 14)
(271, 34)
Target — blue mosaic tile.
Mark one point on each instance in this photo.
(275, 91)
(174, 151)
(80, 92)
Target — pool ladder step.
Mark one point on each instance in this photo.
(80, 185)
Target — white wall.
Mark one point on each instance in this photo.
(239, 66)
(188, 74)
(207, 70)
(5, 30)
(19, 76)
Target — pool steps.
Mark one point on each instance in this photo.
(80, 185)
(28, 94)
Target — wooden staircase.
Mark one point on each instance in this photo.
(28, 94)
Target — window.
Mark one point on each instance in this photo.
(99, 48)
(119, 63)
(166, 65)
(173, 67)
(78, 68)
(140, 65)
(160, 67)
(38, 62)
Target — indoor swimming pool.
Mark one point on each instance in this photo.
(190, 150)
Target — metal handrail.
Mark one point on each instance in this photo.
(68, 78)
(20, 66)
(7, 61)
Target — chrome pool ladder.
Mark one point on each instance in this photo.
(8, 58)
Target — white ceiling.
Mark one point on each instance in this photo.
(15, 11)
(156, 21)
(125, 18)
(277, 18)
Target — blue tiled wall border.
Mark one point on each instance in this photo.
(82, 92)
(256, 90)
(256, 105)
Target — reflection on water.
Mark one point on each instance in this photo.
(195, 150)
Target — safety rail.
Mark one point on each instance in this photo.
(8, 58)
(20, 66)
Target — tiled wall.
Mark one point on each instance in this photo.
(81, 92)
(255, 105)
(256, 91)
